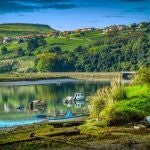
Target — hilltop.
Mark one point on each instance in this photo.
(15, 29)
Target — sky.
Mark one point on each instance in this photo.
(73, 14)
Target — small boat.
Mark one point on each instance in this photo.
(68, 118)
(78, 96)
(72, 99)
(16, 123)
(68, 99)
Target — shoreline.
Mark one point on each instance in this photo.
(38, 82)
(46, 136)
(91, 76)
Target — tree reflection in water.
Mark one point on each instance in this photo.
(15, 99)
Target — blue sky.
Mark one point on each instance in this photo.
(73, 14)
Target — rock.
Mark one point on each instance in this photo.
(32, 135)
(140, 127)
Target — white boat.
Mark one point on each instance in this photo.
(70, 101)
(78, 96)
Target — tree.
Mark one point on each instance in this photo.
(46, 62)
(4, 50)
(143, 75)
(20, 52)
(32, 45)
(55, 49)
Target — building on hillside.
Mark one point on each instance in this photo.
(85, 30)
(114, 28)
(65, 33)
(7, 40)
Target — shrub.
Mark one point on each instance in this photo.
(101, 103)
(20, 52)
(8, 66)
(143, 75)
(4, 50)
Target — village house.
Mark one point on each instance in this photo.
(65, 33)
(114, 28)
(85, 30)
(7, 40)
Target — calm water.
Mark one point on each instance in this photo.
(15, 97)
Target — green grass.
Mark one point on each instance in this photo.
(111, 107)
(88, 35)
(66, 44)
(135, 107)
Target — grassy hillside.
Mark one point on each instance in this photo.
(94, 50)
(21, 29)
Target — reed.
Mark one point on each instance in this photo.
(101, 103)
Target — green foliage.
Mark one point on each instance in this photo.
(91, 51)
(34, 43)
(20, 52)
(118, 92)
(133, 106)
(143, 76)
(8, 66)
(133, 109)
(4, 50)
(55, 49)
(46, 62)
(101, 103)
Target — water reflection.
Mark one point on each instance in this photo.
(15, 100)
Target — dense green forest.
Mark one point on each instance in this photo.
(122, 50)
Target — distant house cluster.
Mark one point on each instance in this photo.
(23, 37)
(65, 33)
(114, 28)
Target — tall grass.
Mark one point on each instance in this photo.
(101, 103)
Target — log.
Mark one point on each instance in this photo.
(67, 133)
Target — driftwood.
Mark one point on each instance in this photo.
(66, 124)
(67, 133)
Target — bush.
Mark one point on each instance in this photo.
(101, 103)
(143, 76)
(20, 52)
(130, 110)
(4, 50)
(8, 66)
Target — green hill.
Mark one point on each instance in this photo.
(13, 29)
